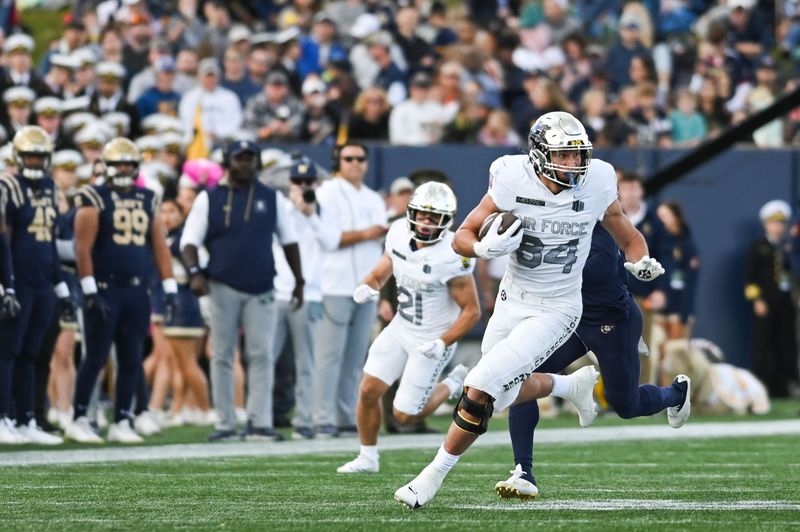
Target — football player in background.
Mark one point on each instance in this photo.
(437, 306)
(117, 227)
(558, 193)
(30, 271)
(610, 327)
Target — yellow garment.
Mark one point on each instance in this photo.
(198, 148)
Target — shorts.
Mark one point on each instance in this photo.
(393, 355)
(187, 321)
(521, 335)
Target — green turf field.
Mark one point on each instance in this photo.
(730, 483)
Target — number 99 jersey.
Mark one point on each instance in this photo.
(121, 248)
(557, 227)
(424, 305)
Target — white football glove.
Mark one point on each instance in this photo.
(433, 350)
(645, 269)
(494, 245)
(364, 293)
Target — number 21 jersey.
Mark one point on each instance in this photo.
(557, 227)
(424, 305)
(123, 236)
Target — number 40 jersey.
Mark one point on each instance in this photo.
(557, 227)
(122, 246)
(424, 305)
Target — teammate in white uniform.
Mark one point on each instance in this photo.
(437, 305)
(558, 193)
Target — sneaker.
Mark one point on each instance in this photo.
(101, 419)
(241, 416)
(223, 435)
(580, 394)
(303, 433)
(38, 436)
(422, 489)
(360, 464)
(9, 433)
(122, 432)
(81, 431)
(325, 432)
(517, 487)
(145, 424)
(173, 419)
(456, 379)
(251, 433)
(677, 415)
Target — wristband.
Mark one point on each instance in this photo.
(61, 290)
(170, 286)
(88, 285)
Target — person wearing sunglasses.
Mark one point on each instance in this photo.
(358, 221)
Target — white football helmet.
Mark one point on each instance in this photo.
(559, 131)
(436, 198)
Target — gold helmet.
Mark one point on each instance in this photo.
(32, 140)
(120, 151)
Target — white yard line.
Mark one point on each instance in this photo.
(392, 442)
(632, 504)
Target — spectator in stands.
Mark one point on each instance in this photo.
(109, 96)
(235, 77)
(593, 115)
(275, 114)
(544, 96)
(619, 57)
(320, 47)
(578, 68)
(418, 121)
(389, 77)
(141, 81)
(746, 33)
(768, 287)
(712, 106)
(448, 90)
(688, 125)
(653, 127)
(417, 52)
(17, 50)
(321, 120)
(61, 68)
(764, 94)
(497, 130)
(161, 97)
(467, 124)
(219, 109)
(18, 103)
(370, 118)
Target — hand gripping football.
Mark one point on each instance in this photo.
(505, 222)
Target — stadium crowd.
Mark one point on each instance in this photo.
(185, 79)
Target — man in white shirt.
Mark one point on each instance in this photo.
(220, 109)
(417, 121)
(343, 334)
(315, 235)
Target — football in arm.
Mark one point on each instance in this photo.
(505, 223)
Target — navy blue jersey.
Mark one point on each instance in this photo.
(122, 246)
(31, 213)
(605, 291)
(677, 254)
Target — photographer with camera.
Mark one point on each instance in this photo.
(294, 371)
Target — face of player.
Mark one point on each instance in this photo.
(568, 158)
(33, 161)
(427, 223)
(171, 215)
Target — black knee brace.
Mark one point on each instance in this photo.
(482, 412)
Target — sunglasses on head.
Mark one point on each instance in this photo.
(303, 180)
(351, 158)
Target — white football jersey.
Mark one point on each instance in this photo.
(424, 305)
(557, 227)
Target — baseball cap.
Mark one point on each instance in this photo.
(366, 24)
(421, 79)
(303, 169)
(277, 77)
(312, 85)
(775, 211)
(401, 184)
(164, 63)
(208, 66)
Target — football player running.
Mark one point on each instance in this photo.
(610, 327)
(558, 194)
(117, 227)
(437, 306)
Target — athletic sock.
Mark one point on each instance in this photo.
(522, 421)
(561, 385)
(370, 451)
(445, 461)
(453, 385)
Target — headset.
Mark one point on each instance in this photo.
(337, 152)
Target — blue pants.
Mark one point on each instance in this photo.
(126, 326)
(20, 341)
(616, 346)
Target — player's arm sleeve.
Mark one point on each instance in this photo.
(196, 227)
(499, 188)
(460, 267)
(609, 190)
(284, 228)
